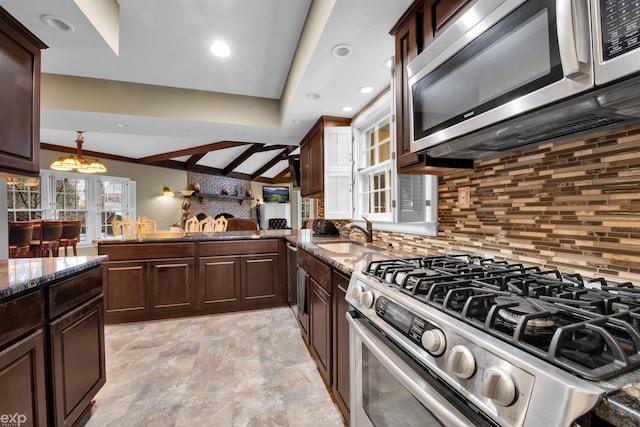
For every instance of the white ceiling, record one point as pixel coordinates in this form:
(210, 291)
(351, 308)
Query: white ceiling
(164, 44)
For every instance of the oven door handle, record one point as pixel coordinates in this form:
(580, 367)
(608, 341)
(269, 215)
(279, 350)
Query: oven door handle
(424, 392)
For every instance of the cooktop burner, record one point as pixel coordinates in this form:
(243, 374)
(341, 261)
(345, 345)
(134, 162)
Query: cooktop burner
(587, 326)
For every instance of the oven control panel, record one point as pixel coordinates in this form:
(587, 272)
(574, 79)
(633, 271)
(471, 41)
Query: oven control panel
(417, 329)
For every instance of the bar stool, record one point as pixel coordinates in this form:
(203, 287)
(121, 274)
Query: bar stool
(20, 234)
(49, 240)
(71, 230)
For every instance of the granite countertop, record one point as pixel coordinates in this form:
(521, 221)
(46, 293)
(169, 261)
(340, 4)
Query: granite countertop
(622, 407)
(166, 236)
(21, 274)
(345, 262)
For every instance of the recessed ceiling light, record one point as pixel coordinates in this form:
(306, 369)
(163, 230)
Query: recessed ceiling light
(366, 89)
(345, 109)
(58, 23)
(313, 95)
(291, 138)
(342, 51)
(220, 48)
(185, 130)
(239, 134)
(389, 63)
(297, 121)
(124, 125)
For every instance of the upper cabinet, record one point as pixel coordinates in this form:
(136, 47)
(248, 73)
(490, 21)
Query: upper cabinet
(20, 101)
(414, 30)
(312, 156)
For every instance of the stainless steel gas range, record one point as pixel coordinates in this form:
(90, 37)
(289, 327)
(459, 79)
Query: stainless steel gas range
(461, 340)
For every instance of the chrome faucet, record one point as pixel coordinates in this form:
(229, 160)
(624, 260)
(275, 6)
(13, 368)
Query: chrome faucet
(368, 232)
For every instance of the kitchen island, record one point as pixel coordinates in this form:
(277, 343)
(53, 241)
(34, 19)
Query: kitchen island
(52, 360)
(165, 275)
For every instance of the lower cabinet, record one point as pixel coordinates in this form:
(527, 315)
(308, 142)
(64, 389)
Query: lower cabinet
(320, 325)
(219, 280)
(23, 382)
(77, 360)
(52, 352)
(171, 284)
(327, 325)
(340, 343)
(146, 281)
(126, 287)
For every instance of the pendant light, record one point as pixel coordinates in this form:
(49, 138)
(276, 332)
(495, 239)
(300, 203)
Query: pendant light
(78, 162)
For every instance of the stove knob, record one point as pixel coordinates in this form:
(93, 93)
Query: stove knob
(366, 299)
(498, 386)
(356, 292)
(461, 362)
(434, 341)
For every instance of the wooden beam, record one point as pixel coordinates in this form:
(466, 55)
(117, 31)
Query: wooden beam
(269, 164)
(191, 162)
(74, 150)
(221, 145)
(241, 158)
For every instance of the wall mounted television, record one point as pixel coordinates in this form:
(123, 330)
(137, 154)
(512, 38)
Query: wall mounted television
(272, 194)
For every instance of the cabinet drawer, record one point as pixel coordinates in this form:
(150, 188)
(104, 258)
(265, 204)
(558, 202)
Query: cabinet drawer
(20, 315)
(239, 247)
(316, 269)
(71, 292)
(127, 252)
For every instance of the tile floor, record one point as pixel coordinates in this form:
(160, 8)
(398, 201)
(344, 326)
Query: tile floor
(238, 369)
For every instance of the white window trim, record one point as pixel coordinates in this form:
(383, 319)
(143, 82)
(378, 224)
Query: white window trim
(93, 211)
(385, 105)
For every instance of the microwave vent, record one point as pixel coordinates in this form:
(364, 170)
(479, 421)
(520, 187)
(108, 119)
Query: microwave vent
(549, 131)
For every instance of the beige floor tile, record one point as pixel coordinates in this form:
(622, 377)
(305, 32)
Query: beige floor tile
(238, 369)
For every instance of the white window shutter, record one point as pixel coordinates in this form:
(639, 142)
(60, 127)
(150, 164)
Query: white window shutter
(131, 199)
(412, 198)
(338, 198)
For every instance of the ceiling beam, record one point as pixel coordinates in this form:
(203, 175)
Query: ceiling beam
(221, 145)
(282, 156)
(241, 158)
(191, 161)
(74, 150)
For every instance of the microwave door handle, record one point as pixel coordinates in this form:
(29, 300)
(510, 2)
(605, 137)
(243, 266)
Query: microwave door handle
(572, 23)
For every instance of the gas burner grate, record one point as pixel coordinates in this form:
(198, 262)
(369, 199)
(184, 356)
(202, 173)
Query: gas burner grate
(587, 326)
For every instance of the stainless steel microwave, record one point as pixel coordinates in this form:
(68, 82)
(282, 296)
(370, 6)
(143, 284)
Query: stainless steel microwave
(511, 73)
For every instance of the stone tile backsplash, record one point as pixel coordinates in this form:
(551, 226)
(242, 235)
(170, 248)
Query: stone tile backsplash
(573, 206)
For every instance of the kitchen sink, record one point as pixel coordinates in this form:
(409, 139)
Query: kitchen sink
(347, 247)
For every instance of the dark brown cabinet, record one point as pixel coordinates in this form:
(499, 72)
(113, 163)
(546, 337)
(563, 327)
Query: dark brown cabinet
(171, 284)
(142, 282)
(320, 328)
(413, 32)
(319, 300)
(20, 100)
(340, 343)
(312, 156)
(126, 287)
(260, 277)
(23, 380)
(77, 360)
(219, 280)
(242, 274)
(52, 351)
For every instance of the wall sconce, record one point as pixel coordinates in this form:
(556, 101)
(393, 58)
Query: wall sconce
(167, 192)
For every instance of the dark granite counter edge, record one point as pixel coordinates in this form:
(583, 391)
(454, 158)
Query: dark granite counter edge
(621, 408)
(47, 278)
(194, 237)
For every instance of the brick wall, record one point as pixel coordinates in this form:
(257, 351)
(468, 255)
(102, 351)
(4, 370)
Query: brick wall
(213, 184)
(573, 206)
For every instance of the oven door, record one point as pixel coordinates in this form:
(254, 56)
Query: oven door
(387, 391)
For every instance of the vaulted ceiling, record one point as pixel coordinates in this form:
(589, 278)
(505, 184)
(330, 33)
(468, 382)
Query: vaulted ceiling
(139, 78)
